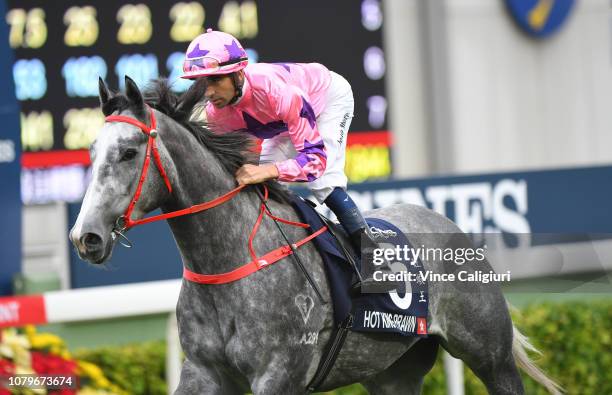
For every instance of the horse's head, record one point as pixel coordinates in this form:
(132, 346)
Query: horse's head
(117, 157)
(135, 160)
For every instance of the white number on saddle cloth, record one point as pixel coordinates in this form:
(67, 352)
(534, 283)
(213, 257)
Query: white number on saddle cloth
(403, 302)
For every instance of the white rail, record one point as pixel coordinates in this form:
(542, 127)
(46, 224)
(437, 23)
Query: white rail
(128, 300)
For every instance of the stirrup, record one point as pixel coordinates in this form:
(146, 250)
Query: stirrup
(373, 285)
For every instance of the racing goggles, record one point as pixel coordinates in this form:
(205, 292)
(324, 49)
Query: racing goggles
(207, 63)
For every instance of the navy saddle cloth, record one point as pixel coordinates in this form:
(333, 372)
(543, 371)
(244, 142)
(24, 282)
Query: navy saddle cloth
(396, 312)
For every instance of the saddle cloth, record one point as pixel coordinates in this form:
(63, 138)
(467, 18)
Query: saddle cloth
(399, 312)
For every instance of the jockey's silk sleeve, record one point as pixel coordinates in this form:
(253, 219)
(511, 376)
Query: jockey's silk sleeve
(281, 99)
(293, 106)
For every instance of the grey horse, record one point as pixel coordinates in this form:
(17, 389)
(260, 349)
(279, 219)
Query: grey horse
(248, 335)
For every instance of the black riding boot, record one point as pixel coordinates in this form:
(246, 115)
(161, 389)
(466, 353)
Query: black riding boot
(362, 240)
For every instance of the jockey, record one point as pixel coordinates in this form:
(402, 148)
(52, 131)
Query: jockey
(301, 111)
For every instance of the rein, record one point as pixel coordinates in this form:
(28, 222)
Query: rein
(125, 222)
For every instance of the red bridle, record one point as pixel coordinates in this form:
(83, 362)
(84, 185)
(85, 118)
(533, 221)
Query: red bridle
(125, 222)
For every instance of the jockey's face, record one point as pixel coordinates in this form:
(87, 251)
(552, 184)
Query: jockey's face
(220, 89)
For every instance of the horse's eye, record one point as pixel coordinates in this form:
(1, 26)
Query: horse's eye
(130, 153)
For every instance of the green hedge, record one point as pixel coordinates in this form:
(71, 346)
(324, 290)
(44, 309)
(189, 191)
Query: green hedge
(139, 368)
(576, 340)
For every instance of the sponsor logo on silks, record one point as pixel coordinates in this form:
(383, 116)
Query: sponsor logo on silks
(343, 127)
(540, 18)
(421, 326)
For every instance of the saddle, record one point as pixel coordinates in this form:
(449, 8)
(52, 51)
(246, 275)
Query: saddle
(394, 312)
(342, 263)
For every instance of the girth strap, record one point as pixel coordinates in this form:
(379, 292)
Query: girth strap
(331, 353)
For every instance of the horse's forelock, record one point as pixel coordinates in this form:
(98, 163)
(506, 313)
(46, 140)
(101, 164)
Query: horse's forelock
(117, 103)
(120, 103)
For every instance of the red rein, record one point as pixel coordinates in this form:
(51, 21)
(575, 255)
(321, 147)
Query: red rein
(246, 269)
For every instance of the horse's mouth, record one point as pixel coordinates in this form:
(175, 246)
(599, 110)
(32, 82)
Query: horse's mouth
(98, 261)
(92, 247)
(97, 256)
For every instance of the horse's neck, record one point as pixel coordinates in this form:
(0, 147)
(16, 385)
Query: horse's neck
(215, 240)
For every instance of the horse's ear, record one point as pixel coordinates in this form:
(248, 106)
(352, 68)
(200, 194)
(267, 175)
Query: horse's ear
(133, 93)
(104, 92)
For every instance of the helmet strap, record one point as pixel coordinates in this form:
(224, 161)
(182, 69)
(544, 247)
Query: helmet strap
(237, 87)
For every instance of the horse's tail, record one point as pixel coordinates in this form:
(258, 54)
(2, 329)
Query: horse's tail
(520, 346)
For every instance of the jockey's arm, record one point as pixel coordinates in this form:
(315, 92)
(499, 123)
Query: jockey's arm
(292, 106)
(253, 174)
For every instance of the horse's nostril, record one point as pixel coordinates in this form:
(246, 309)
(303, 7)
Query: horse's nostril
(91, 241)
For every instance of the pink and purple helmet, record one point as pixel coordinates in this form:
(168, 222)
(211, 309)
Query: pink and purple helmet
(213, 53)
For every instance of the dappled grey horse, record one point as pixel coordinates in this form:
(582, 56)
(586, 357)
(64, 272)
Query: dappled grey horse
(249, 335)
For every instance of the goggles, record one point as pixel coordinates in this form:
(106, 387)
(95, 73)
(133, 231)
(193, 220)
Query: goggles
(207, 63)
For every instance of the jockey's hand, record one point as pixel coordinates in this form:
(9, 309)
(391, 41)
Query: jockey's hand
(252, 174)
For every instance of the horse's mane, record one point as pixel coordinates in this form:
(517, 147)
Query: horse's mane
(232, 149)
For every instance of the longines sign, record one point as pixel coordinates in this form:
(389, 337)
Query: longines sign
(574, 200)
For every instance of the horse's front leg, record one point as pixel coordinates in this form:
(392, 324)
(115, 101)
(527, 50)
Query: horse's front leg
(197, 379)
(272, 384)
(280, 376)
